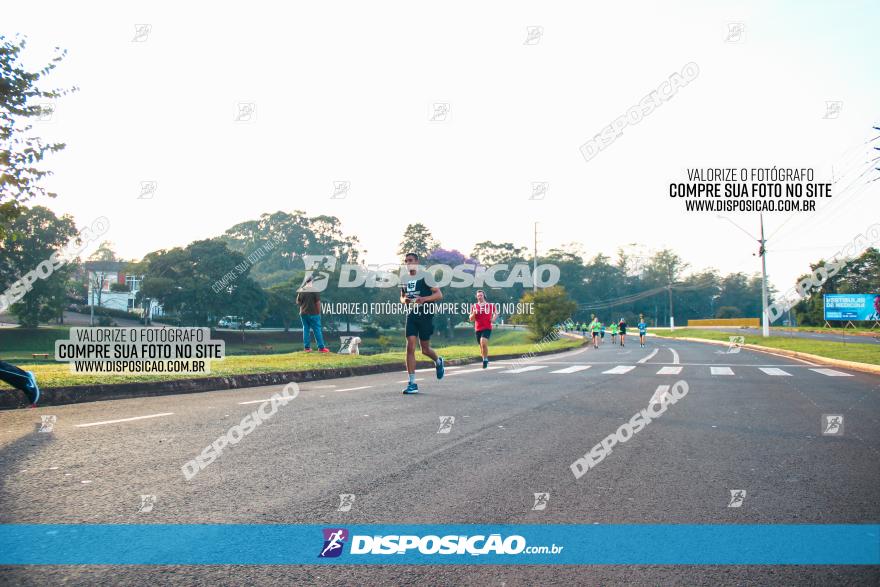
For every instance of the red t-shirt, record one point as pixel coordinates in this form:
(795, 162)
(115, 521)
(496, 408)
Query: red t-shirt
(483, 316)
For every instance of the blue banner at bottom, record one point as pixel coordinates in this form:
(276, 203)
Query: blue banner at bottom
(233, 544)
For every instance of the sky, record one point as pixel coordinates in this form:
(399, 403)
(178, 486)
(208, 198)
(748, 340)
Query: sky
(346, 92)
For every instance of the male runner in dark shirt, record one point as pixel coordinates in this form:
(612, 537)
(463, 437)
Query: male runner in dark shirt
(418, 297)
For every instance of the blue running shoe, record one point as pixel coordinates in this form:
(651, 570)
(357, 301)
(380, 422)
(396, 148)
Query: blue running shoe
(441, 369)
(33, 390)
(485, 363)
(411, 388)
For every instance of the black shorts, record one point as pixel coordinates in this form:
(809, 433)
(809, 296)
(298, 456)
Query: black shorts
(483, 334)
(421, 325)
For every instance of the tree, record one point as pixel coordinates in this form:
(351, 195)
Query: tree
(281, 304)
(185, 281)
(728, 312)
(860, 275)
(281, 239)
(489, 253)
(33, 237)
(21, 152)
(552, 306)
(452, 295)
(417, 239)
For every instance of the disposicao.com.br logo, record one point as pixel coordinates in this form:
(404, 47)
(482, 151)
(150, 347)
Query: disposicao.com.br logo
(335, 539)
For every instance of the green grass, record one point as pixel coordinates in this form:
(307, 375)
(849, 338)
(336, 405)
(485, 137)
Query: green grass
(506, 342)
(858, 352)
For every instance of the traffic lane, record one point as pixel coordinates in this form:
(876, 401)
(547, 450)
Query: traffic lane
(145, 457)
(764, 438)
(452, 460)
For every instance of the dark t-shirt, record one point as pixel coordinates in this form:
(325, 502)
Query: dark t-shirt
(308, 302)
(414, 288)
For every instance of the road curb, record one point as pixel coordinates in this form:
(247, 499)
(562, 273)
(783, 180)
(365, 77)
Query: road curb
(864, 367)
(55, 396)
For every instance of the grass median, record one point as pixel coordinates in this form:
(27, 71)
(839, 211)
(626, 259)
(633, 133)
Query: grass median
(850, 351)
(506, 343)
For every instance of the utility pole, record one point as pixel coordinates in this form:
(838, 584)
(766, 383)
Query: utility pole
(535, 261)
(762, 252)
(765, 321)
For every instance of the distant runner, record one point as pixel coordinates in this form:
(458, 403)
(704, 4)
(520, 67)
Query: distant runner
(613, 333)
(483, 314)
(594, 329)
(643, 330)
(622, 327)
(418, 297)
(602, 331)
(19, 379)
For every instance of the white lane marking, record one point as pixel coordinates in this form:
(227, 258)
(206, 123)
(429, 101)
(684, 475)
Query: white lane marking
(354, 388)
(321, 386)
(407, 380)
(774, 371)
(649, 357)
(669, 371)
(831, 372)
(620, 370)
(525, 369)
(573, 369)
(662, 390)
(476, 370)
(434, 368)
(124, 420)
(721, 370)
(254, 401)
(674, 356)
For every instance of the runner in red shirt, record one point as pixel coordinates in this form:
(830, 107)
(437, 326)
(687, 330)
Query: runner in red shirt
(483, 314)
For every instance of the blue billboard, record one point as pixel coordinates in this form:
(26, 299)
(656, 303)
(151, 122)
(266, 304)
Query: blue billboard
(852, 306)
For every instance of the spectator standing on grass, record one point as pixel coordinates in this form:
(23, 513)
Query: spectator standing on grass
(309, 302)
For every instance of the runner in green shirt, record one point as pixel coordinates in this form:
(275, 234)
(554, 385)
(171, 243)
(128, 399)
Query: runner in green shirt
(595, 326)
(613, 333)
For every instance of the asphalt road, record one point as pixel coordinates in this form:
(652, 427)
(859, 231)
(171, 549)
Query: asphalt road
(750, 421)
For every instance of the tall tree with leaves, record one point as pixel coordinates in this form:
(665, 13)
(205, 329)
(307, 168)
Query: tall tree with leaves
(33, 237)
(21, 151)
(417, 239)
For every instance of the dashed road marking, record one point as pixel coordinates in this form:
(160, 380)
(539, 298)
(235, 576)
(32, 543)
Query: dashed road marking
(619, 370)
(774, 371)
(572, 369)
(123, 420)
(525, 369)
(831, 372)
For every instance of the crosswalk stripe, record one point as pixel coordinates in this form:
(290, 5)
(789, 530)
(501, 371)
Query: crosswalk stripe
(669, 371)
(831, 372)
(573, 369)
(524, 369)
(774, 371)
(721, 370)
(619, 370)
(475, 370)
